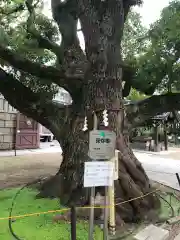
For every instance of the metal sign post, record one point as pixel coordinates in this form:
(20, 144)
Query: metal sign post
(106, 214)
(92, 197)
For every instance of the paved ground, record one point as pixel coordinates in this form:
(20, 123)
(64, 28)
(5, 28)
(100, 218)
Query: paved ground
(160, 168)
(20, 170)
(45, 161)
(29, 165)
(46, 147)
(173, 153)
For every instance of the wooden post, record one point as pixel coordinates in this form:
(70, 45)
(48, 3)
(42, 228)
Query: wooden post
(17, 132)
(156, 140)
(175, 134)
(165, 137)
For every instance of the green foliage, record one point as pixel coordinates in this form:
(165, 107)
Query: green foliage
(136, 95)
(158, 67)
(155, 57)
(14, 34)
(134, 32)
(18, 1)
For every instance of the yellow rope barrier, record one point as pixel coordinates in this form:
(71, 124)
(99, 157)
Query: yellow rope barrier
(67, 209)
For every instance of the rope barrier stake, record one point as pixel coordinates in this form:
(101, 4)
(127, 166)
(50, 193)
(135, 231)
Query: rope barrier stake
(73, 223)
(111, 192)
(112, 218)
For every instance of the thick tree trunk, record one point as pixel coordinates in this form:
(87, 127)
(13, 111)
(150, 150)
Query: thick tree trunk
(132, 183)
(102, 89)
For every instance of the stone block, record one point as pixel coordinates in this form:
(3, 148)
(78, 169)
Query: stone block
(2, 116)
(6, 106)
(5, 146)
(5, 116)
(10, 124)
(152, 232)
(8, 138)
(4, 131)
(13, 131)
(1, 105)
(2, 123)
(11, 145)
(8, 116)
(1, 138)
(13, 116)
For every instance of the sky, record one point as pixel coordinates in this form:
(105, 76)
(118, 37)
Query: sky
(150, 10)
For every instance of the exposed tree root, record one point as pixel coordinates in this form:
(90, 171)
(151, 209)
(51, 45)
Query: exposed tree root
(132, 183)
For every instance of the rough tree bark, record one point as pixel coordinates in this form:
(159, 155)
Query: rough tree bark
(94, 80)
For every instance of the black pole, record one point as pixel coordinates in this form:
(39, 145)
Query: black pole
(73, 223)
(165, 137)
(156, 140)
(178, 178)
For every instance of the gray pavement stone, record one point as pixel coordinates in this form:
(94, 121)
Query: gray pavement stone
(152, 232)
(177, 237)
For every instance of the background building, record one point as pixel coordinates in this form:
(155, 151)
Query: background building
(20, 132)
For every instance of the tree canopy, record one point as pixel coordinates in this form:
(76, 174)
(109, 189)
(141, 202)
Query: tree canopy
(27, 42)
(158, 66)
(30, 50)
(18, 37)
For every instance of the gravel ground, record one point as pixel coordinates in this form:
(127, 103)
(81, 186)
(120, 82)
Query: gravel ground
(16, 171)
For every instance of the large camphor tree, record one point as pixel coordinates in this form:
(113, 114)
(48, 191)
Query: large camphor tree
(97, 78)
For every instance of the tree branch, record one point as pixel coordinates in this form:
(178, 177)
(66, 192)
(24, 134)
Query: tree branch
(140, 112)
(51, 115)
(18, 8)
(65, 14)
(43, 41)
(74, 60)
(50, 73)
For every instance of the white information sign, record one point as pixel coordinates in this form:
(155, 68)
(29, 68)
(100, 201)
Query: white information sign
(99, 173)
(102, 144)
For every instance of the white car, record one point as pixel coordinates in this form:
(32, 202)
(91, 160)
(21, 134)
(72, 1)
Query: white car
(45, 134)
